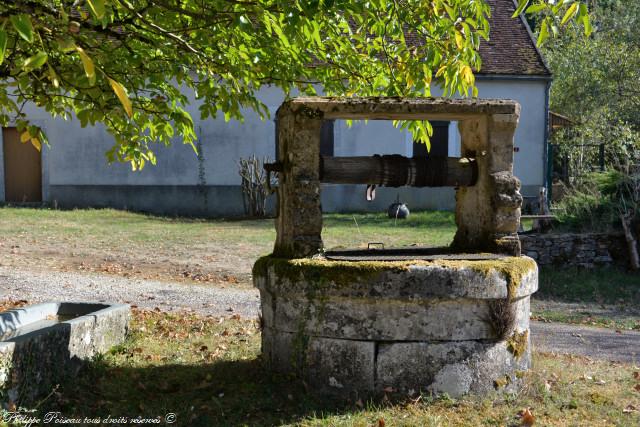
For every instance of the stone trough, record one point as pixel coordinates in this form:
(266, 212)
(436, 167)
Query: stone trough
(44, 344)
(454, 320)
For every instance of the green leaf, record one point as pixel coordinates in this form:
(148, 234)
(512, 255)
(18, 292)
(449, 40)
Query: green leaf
(522, 4)
(588, 29)
(22, 24)
(121, 93)
(3, 45)
(67, 45)
(544, 33)
(53, 77)
(97, 7)
(570, 13)
(34, 62)
(87, 63)
(534, 8)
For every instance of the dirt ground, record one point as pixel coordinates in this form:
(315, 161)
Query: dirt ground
(216, 252)
(217, 267)
(213, 263)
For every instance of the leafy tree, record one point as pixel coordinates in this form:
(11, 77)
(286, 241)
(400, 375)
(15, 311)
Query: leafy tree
(130, 63)
(596, 84)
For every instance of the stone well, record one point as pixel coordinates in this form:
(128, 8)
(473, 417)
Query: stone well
(455, 321)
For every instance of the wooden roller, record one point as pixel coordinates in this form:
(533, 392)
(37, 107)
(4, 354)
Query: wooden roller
(398, 171)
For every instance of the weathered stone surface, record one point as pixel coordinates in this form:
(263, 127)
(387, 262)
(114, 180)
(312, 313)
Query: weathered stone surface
(584, 249)
(356, 333)
(396, 108)
(403, 280)
(486, 212)
(37, 353)
(333, 366)
(455, 368)
(341, 366)
(440, 326)
(299, 221)
(385, 320)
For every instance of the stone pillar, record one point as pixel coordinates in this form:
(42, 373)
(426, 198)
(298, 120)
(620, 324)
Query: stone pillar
(488, 213)
(299, 222)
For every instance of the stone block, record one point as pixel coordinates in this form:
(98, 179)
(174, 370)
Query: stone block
(454, 368)
(384, 320)
(343, 367)
(405, 280)
(46, 344)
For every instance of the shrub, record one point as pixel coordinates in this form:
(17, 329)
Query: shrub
(597, 201)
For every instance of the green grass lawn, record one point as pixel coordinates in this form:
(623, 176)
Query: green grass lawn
(208, 372)
(222, 252)
(608, 297)
(112, 227)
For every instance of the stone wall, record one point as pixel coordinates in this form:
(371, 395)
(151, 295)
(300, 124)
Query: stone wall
(359, 328)
(582, 250)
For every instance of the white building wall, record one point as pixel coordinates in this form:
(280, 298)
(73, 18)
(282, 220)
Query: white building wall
(75, 171)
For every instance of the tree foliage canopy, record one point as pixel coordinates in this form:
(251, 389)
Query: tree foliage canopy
(596, 82)
(129, 63)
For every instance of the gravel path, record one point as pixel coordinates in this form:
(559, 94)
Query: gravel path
(33, 286)
(40, 286)
(597, 343)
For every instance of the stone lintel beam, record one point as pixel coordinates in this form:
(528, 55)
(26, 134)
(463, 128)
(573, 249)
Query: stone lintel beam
(397, 108)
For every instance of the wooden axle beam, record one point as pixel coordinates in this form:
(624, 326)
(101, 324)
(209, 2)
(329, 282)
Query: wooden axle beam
(397, 171)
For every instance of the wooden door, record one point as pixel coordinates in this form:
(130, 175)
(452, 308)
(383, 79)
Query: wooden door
(22, 169)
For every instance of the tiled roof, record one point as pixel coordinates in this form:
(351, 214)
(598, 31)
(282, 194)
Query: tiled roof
(510, 49)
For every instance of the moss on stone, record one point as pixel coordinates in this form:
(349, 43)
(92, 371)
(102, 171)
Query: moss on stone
(320, 270)
(513, 269)
(521, 374)
(502, 382)
(517, 343)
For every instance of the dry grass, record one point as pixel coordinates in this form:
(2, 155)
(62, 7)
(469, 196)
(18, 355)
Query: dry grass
(208, 371)
(219, 252)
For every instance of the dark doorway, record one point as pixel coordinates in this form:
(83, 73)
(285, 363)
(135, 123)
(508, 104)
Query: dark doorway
(439, 142)
(22, 169)
(326, 138)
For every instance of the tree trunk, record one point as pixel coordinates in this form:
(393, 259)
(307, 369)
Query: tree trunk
(632, 244)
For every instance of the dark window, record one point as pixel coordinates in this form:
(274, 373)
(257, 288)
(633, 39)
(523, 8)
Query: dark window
(326, 138)
(275, 121)
(439, 142)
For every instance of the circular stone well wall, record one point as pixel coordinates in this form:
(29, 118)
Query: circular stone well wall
(358, 328)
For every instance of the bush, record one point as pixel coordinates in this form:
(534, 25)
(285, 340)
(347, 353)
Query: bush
(596, 202)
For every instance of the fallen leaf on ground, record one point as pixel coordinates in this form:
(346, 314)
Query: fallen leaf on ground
(526, 418)
(381, 422)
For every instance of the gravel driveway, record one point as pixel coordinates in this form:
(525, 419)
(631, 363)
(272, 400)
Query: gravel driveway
(39, 286)
(33, 286)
